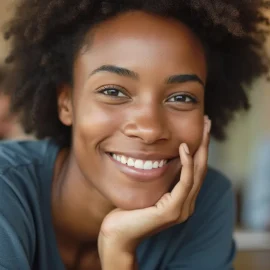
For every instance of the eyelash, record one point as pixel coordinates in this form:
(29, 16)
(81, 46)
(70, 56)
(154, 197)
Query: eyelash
(104, 89)
(112, 87)
(192, 99)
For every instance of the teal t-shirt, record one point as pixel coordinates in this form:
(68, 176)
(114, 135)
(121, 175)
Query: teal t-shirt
(27, 239)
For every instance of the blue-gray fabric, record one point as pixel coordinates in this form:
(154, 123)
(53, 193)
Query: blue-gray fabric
(27, 239)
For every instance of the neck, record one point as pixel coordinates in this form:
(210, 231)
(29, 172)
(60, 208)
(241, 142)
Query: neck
(78, 209)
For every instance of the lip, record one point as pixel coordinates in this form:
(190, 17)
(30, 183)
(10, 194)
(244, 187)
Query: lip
(143, 175)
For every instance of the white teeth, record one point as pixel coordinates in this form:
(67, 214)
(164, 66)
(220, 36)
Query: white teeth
(123, 160)
(131, 162)
(138, 163)
(148, 165)
(155, 165)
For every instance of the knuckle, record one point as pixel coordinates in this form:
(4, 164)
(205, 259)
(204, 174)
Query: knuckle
(184, 217)
(189, 161)
(163, 206)
(166, 197)
(187, 185)
(172, 216)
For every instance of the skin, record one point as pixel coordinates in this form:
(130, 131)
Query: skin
(91, 196)
(5, 118)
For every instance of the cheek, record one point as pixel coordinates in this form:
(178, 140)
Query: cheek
(189, 130)
(94, 123)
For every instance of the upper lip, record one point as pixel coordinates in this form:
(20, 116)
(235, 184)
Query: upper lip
(145, 155)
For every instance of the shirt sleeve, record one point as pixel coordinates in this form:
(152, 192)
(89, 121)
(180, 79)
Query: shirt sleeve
(17, 231)
(211, 246)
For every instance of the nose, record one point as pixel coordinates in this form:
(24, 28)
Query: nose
(147, 123)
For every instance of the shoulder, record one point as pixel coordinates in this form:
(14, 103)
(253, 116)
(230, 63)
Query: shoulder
(23, 165)
(25, 170)
(20, 153)
(216, 185)
(215, 203)
(23, 188)
(216, 180)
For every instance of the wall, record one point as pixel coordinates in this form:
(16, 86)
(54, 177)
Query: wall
(5, 14)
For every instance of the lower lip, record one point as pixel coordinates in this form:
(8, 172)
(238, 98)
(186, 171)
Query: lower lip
(142, 175)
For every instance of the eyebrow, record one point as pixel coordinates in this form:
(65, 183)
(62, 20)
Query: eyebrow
(179, 78)
(117, 70)
(182, 78)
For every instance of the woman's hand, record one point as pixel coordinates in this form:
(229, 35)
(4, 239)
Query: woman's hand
(123, 230)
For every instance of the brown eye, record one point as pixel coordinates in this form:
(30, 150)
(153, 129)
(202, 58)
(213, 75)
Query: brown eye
(182, 99)
(112, 92)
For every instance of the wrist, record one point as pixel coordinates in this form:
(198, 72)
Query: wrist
(112, 244)
(113, 258)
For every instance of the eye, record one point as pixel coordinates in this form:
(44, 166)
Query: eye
(112, 91)
(183, 98)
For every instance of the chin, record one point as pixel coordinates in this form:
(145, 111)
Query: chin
(136, 202)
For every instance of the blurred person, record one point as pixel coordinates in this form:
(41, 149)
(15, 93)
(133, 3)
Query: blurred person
(123, 96)
(10, 128)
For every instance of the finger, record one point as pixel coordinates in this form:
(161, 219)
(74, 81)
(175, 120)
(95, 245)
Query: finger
(201, 155)
(200, 159)
(200, 163)
(182, 189)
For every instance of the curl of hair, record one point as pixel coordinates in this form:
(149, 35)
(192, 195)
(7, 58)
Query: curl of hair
(47, 34)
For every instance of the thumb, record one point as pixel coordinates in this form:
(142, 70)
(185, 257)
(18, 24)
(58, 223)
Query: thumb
(136, 224)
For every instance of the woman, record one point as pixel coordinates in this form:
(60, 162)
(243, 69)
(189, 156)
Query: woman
(119, 91)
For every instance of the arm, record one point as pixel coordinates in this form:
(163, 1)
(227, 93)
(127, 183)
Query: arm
(113, 258)
(16, 232)
(211, 247)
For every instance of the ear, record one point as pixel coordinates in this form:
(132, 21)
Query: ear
(64, 99)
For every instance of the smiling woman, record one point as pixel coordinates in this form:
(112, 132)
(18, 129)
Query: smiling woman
(120, 94)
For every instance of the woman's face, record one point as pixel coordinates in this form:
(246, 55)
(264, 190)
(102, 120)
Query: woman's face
(138, 94)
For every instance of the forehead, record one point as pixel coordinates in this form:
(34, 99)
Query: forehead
(137, 39)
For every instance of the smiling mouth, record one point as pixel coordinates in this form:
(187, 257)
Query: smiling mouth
(139, 163)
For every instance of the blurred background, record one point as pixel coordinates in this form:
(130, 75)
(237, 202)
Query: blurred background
(244, 158)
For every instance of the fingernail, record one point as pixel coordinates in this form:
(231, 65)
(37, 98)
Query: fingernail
(185, 146)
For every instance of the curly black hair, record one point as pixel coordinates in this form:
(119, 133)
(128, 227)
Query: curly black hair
(47, 34)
